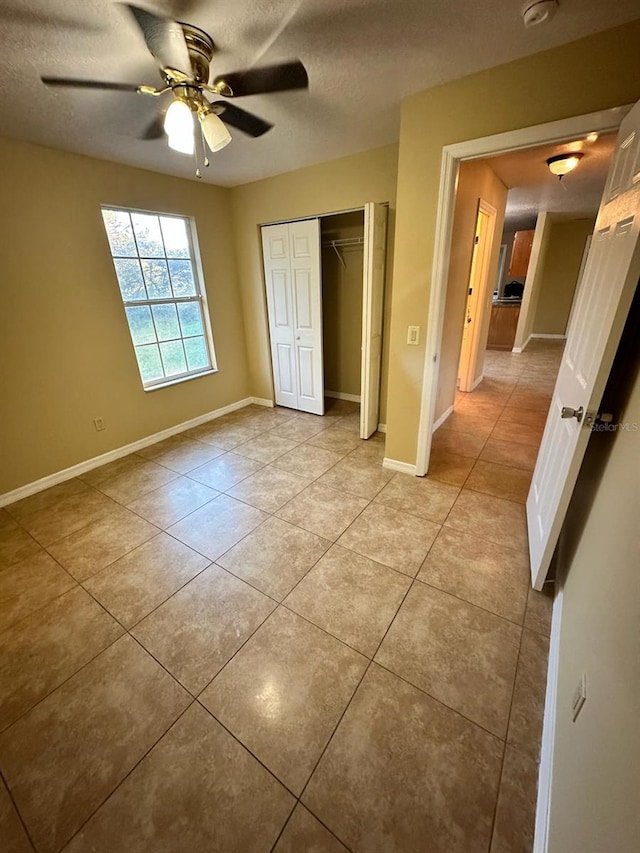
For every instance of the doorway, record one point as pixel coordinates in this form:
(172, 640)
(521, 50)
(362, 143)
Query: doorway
(324, 280)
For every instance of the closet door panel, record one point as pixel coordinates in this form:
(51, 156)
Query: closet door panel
(304, 243)
(277, 270)
(375, 246)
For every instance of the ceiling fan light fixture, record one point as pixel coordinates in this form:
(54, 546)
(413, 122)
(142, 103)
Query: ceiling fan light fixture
(178, 125)
(562, 164)
(215, 131)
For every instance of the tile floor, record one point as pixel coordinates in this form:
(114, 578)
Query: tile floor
(252, 637)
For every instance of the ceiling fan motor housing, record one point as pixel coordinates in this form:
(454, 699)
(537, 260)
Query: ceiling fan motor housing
(201, 49)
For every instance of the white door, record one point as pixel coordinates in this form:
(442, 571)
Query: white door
(602, 302)
(291, 253)
(375, 239)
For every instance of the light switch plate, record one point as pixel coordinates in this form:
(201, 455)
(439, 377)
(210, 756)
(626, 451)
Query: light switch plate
(413, 335)
(579, 697)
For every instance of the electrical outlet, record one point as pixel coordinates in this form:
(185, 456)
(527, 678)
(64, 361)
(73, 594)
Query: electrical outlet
(413, 335)
(98, 424)
(579, 697)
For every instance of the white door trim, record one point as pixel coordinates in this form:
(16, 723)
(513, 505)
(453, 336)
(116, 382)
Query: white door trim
(452, 155)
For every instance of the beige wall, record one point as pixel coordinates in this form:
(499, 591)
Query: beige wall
(67, 355)
(476, 181)
(342, 305)
(595, 789)
(533, 281)
(596, 73)
(560, 275)
(337, 185)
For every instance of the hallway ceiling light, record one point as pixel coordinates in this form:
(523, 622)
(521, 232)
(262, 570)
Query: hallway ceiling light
(562, 164)
(537, 12)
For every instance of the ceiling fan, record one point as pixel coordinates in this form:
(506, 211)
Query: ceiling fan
(184, 53)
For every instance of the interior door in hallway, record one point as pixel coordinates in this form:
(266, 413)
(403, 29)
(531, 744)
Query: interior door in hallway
(375, 243)
(291, 253)
(602, 303)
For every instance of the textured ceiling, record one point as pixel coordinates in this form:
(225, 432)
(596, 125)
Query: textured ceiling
(533, 188)
(363, 57)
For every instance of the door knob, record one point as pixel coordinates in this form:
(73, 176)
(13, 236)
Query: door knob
(567, 412)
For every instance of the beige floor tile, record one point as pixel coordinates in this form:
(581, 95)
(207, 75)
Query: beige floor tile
(537, 616)
(402, 769)
(427, 499)
(500, 521)
(168, 504)
(467, 422)
(265, 447)
(536, 401)
(30, 584)
(351, 597)
(304, 833)
(491, 576)
(525, 725)
(269, 418)
(188, 455)
(336, 439)
(460, 443)
(518, 433)
(13, 838)
(112, 469)
(225, 471)
(516, 812)
(46, 648)
(165, 446)
(269, 489)
(136, 584)
(47, 499)
(480, 408)
(339, 408)
(300, 429)
(461, 655)
(510, 453)
(98, 544)
(323, 511)
(449, 467)
(198, 790)
(351, 423)
(308, 461)
(67, 754)
(500, 481)
(217, 526)
(392, 538)
(371, 448)
(284, 692)
(144, 478)
(15, 542)
(357, 476)
(197, 630)
(274, 557)
(513, 414)
(65, 516)
(224, 435)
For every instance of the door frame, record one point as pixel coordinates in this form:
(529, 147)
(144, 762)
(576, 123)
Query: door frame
(324, 215)
(469, 351)
(603, 121)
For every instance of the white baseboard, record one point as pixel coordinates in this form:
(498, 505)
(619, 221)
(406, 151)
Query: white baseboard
(89, 464)
(523, 347)
(477, 382)
(545, 772)
(262, 401)
(340, 395)
(396, 465)
(382, 427)
(548, 337)
(442, 418)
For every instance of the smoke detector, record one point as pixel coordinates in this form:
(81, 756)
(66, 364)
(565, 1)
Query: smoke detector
(537, 12)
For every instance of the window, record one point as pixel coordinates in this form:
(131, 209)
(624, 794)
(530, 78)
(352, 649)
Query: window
(157, 269)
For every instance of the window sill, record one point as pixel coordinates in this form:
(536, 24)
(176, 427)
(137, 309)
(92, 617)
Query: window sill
(179, 380)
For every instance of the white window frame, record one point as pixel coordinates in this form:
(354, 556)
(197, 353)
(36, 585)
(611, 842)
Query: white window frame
(200, 296)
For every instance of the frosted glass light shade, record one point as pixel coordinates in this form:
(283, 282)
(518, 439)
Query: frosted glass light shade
(215, 132)
(178, 125)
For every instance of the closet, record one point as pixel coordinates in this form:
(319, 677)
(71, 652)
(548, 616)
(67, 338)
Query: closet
(324, 280)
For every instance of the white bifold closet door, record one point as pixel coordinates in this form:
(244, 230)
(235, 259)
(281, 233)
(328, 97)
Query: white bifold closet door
(291, 254)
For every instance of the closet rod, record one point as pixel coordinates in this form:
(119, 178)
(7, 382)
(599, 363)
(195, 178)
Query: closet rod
(336, 245)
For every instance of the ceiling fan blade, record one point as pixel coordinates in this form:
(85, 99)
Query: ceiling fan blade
(164, 39)
(89, 84)
(242, 120)
(270, 78)
(154, 130)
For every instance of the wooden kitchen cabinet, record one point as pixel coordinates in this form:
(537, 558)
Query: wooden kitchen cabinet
(520, 254)
(503, 325)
